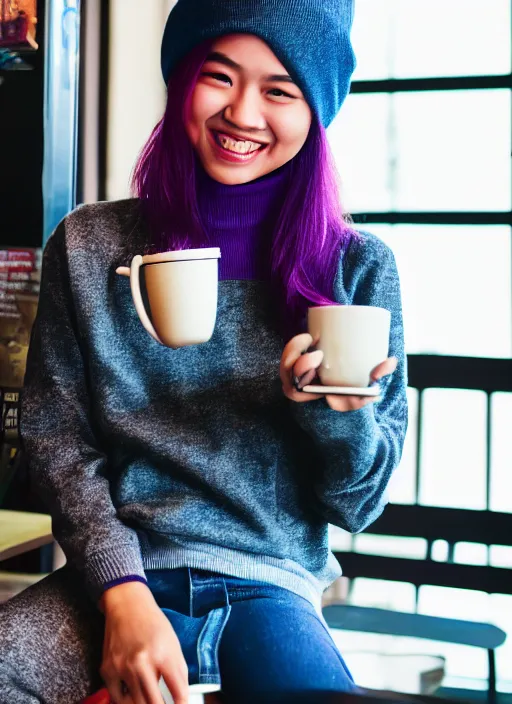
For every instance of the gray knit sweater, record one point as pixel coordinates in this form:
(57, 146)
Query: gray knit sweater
(149, 457)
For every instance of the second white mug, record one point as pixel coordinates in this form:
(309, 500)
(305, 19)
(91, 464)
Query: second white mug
(354, 340)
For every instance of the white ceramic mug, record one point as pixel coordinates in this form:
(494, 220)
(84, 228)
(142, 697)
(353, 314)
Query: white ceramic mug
(182, 293)
(354, 340)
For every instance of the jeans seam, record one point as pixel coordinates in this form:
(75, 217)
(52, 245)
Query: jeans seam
(336, 649)
(216, 637)
(219, 638)
(226, 593)
(190, 593)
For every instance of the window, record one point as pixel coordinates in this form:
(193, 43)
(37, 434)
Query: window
(425, 151)
(423, 146)
(419, 39)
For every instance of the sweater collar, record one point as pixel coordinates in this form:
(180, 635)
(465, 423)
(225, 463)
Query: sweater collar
(236, 208)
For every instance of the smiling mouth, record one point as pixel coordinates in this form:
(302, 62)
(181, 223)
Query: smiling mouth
(234, 145)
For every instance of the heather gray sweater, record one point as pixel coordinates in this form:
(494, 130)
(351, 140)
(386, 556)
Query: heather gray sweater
(149, 457)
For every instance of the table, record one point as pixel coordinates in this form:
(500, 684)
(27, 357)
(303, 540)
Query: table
(21, 531)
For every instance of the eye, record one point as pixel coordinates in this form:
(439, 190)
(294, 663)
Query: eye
(278, 93)
(221, 77)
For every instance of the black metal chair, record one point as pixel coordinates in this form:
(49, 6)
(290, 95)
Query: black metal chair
(432, 523)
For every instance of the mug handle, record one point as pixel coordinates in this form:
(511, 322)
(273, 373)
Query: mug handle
(136, 264)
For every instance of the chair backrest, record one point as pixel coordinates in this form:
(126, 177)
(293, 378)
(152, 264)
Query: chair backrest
(434, 523)
(431, 523)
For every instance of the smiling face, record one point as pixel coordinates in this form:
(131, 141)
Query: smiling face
(247, 117)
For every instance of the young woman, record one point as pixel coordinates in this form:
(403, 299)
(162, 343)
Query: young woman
(192, 489)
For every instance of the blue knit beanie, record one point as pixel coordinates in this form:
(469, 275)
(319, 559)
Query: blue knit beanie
(311, 38)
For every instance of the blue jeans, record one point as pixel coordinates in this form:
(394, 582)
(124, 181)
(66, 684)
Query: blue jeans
(255, 639)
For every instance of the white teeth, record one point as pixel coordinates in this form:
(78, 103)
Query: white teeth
(240, 147)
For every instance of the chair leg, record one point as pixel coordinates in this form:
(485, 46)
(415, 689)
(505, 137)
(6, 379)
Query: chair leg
(491, 692)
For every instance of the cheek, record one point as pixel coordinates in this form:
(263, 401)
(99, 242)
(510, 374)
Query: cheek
(206, 102)
(291, 131)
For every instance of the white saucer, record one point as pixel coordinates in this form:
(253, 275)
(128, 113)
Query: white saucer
(342, 390)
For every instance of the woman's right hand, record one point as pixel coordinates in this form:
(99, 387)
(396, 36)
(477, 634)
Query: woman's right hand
(139, 647)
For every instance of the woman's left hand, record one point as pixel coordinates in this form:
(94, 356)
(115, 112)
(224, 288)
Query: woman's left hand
(297, 362)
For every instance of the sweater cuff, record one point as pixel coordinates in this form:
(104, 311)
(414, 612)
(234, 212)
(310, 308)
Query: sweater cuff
(107, 566)
(124, 580)
(324, 424)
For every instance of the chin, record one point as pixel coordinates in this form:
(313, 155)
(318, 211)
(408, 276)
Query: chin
(234, 176)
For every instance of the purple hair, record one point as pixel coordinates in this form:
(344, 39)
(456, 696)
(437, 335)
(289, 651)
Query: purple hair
(311, 230)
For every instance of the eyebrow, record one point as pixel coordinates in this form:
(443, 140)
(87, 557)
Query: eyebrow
(223, 59)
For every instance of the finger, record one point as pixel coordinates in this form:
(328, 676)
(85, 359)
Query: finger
(113, 684)
(176, 681)
(299, 396)
(306, 379)
(307, 362)
(386, 367)
(135, 694)
(117, 696)
(151, 689)
(292, 352)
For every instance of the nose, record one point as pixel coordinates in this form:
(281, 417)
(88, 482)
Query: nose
(245, 110)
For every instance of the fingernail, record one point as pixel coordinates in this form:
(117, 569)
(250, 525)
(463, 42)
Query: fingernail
(317, 357)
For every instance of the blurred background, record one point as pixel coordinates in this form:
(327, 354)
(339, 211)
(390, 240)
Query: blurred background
(423, 148)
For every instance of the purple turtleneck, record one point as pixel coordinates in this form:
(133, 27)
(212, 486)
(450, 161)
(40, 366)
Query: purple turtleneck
(240, 220)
